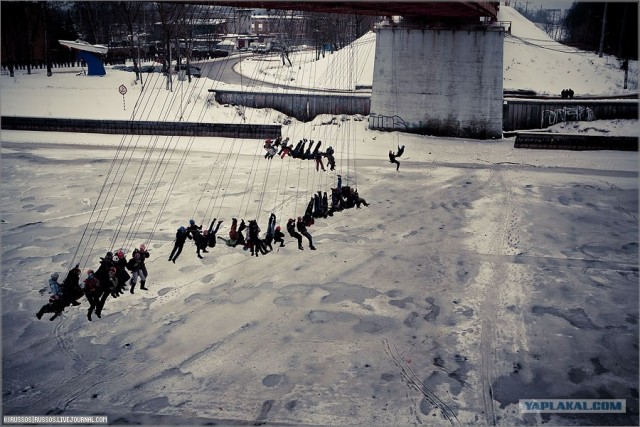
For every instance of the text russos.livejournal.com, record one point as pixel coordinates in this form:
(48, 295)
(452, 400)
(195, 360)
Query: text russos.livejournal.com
(54, 419)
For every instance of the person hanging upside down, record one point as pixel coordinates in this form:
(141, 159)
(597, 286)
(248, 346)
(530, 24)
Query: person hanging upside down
(400, 151)
(210, 234)
(392, 159)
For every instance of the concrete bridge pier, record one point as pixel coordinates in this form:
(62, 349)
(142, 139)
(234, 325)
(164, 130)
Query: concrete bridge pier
(443, 81)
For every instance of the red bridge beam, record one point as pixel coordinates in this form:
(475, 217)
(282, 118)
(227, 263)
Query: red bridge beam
(448, 9)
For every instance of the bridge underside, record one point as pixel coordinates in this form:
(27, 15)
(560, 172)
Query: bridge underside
(438, 9)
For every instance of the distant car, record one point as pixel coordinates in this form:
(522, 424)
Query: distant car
(219, 53)
(193, 70)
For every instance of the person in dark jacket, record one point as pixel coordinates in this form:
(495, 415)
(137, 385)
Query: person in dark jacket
(210, 234)
(257, 247)
(392, 159)
(291, 229)
(358, 200)
(278, 236)
(317, 205)
(102, 273)
(55, 305)
(331, 160)
(193, 227)
(302, 229)
(196, 232)
(92, 291)
(121, 272)
(137, 267)
(108, 287)
(271, 230)
(201, 242)
(325, 205)
(400, 151)
(181, 237)
(71, 286)
(319, 164)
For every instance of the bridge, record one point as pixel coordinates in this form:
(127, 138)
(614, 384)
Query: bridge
(438, 71)
(440, 9)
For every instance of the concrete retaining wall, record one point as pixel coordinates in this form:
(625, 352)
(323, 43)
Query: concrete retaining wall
(541, 113)
(439, 81)
(303, 106)
(227, 130)
(569, 141)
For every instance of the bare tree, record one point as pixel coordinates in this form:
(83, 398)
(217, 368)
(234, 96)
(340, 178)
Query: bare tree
(169, 15)
(130, 13)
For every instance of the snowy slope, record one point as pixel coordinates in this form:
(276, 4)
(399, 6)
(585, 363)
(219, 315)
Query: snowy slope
(532, 60)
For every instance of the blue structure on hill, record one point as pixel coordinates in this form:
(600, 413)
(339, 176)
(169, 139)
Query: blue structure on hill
(95, 66)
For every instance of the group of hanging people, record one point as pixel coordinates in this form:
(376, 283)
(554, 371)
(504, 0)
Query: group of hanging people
(311, 153)
(342, 197)
(110, 279)
(301, 151)
(205, 239)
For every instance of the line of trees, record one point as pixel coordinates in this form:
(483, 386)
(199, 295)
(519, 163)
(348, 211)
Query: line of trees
(31, 30)
(584, 27)
(581, 26)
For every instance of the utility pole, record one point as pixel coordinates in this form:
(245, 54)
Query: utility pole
(604, 23)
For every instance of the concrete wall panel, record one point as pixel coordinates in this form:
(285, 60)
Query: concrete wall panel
(439, 81)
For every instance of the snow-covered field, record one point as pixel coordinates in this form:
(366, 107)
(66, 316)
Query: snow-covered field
(480, 274)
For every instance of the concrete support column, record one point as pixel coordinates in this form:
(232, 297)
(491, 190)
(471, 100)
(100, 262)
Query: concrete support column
(439, 81)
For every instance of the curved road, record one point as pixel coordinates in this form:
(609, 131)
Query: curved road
(221, 69)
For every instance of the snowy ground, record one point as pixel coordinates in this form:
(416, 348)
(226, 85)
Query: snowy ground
(480, 274)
